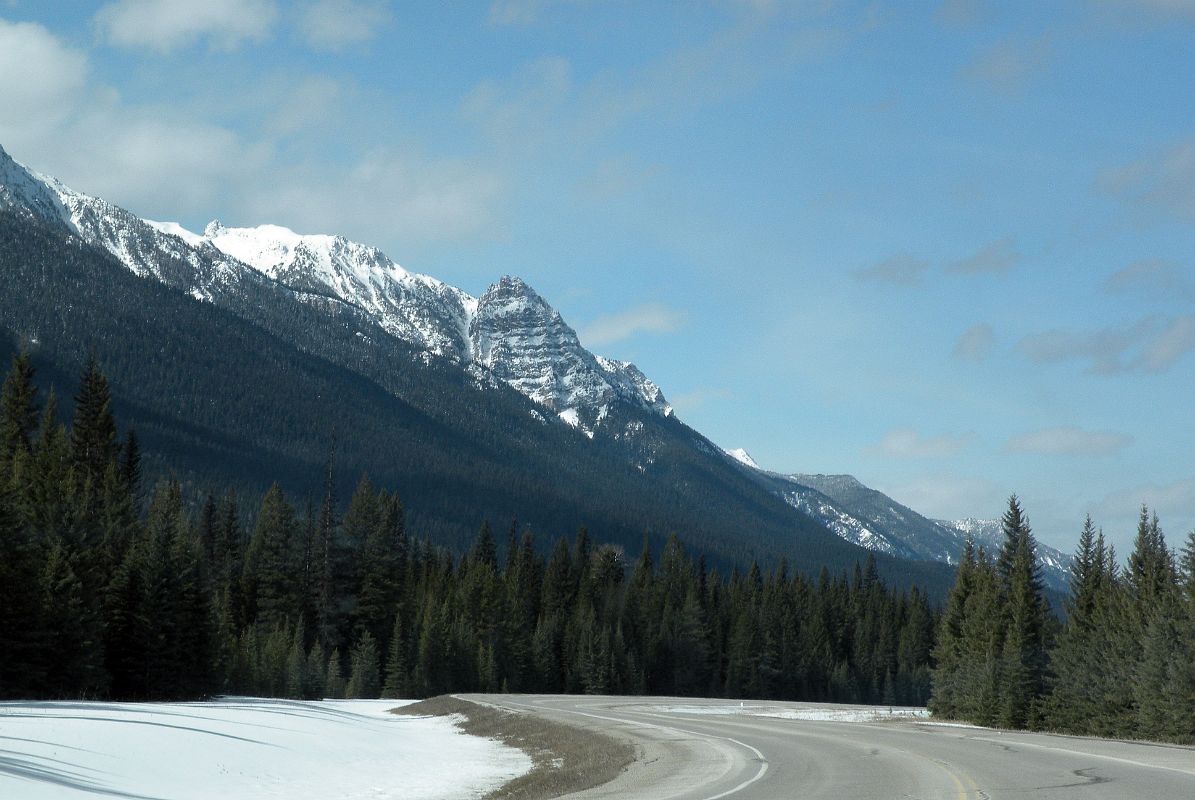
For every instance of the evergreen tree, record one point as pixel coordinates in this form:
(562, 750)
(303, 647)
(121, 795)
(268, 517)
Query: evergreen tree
(1024, 652)
(271, 562)
(93, 429)
(396, 663)
(130, 467)
(1073, 699)
(18, 408)
(952, 648)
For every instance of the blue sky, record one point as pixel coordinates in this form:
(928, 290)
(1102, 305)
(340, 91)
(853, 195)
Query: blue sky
(946, 247)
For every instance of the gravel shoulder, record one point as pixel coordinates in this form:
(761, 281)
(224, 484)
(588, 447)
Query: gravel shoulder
(567, 758)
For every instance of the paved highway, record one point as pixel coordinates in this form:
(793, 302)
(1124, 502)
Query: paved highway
(712, 749)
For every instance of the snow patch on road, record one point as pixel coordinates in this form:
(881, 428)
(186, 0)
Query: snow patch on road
(847, 714)
(242, 748)
(811, 713)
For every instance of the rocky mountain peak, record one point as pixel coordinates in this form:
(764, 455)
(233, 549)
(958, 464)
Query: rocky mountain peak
(510, 331)
(23, 189)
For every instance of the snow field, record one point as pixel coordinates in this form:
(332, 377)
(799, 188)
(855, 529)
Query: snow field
(243, 749)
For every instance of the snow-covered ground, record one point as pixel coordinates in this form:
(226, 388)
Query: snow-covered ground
(242, 749)
(813, 712)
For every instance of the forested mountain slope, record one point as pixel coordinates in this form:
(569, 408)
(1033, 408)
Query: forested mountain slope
(234, 400)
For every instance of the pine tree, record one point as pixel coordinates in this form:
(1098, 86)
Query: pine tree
(1023, 655)
(271, 561)
(130, 467)
(22, 630)
(18, 408)
(396, 663)
(951, 649)
(93, 429)
(382, 569)
(1072, 700)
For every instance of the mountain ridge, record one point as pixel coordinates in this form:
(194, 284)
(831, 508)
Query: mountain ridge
(354, 296)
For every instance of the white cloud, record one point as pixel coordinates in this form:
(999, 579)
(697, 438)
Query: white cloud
(1160, 185)
(908, 443)
(1174, 503)
(1069, 441)
(959, 13)
(40, 80)
(692, 400)
(975, 344)
(652, 317)
(309, 103)
(1183, 8)
(1007, 67)
(543, 102)
(1157, 278)
(949, 496)
(617, 177)
(166, 25)
(332, 25)
(518, 12)
(998, 256)
(901, 270)
(170, 161)
(1154, 344)
(1173, 342)
(522, 110)
(401, 195)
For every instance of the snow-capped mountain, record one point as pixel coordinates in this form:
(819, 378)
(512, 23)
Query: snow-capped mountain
(873, 520)
(743, 457)
(525, 342)
(419, 309)
(988, 533)
(510, 332)
(350, 292)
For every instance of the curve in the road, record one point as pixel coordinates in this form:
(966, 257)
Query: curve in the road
(698, 750)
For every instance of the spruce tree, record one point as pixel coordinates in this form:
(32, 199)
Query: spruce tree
(130, 467)
(1072, 700)
(396, 663)
(271, 562)
(18, 408)
(22, 630)
(93, 428)
(951, 649)
(1024, 647)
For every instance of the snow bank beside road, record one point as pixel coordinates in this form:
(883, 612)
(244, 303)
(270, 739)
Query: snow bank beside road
(243, 749)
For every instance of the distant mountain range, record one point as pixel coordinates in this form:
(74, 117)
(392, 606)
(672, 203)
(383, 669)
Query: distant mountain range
(241, 353)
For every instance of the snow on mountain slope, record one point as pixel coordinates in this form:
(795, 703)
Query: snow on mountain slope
(525, 342)
(843, 523)
(873, 520)
(743, 457)
(149, 251)
(510, 332)
(20, 188)
(416, 308)
(843, 520)
(988, 533)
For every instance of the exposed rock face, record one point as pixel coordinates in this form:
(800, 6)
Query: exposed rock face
(194, 267)
(511, 332)
(525, 342)
(416, 308)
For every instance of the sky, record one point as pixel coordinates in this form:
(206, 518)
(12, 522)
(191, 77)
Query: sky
(946, 247)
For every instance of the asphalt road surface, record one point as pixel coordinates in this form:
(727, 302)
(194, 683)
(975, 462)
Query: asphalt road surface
(711, 749)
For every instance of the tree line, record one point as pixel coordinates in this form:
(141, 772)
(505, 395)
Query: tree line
(110, 590)
(1122, 664)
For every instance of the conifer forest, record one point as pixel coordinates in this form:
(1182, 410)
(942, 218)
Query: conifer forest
(110, 588)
